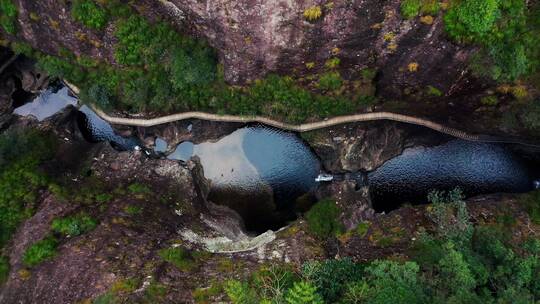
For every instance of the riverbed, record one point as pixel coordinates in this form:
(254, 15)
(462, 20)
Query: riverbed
(268, 175)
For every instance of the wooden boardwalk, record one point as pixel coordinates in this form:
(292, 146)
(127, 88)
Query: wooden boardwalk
(141, 122)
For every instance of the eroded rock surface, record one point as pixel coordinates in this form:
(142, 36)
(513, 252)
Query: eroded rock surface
(357, 147)
(254, 38)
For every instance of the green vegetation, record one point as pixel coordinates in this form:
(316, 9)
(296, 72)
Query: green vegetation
(303, 292)
(89, 14)
(162, 70)
(455, 263)
(532, 203)
(40, 251)
(4, 269)
(330, 81)
(21, 152)
(469, 20)
(332, 63)
(362, 229)
(313, 13)
(154, 293)
(74, 225)
(8, 16)
(137, 188)
(122, 288)
(323, 219)
(433, 91)
(133, 210)
(508, 31)
(179, 257)
(204, 295)
(411, 8)
(489, 100)
(531, 115)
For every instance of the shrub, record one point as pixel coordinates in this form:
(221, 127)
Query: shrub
(74, 225)
(154, 293)
(332, 63)
(273, 282)
(133, 210)
(450, 215)
(509, 47)
(413, 67)
(99, 95)
(330, 81)
(356, 293)
(20, 154)
(138, 188)
(430, 7)
(531, 201)
(22, 48)
(134, 35)
(4, 269)
(392, 282)
(103, 198)
(179, 257)
(410, 8)
(40, 251)
(240, 293)
(331, 276)
(469, 20)
(458, 280)
(433, 91)
(323, 219)
(489, 100)
(302, 293)
(362, 228)
(8, 16)
(531, 115)
(313, 13)
(89, 14)
(204, 295)
(197, 67)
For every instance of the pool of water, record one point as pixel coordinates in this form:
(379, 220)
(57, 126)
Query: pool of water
(258, 171)
(95, 129)
(265, 174)
(46, 104)
(477, 168)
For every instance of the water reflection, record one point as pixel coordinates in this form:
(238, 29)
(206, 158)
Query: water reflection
(47, 104)
(95, 129)
(477, 168)
(258, 171)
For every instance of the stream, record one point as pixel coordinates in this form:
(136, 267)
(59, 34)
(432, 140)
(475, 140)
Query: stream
(268, 175)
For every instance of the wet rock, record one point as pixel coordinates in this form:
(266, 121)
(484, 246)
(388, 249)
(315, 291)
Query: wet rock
(352, 198)
(366, 147)
(196, 131)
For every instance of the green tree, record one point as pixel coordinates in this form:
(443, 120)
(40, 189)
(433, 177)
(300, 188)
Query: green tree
(303, 293)
(89, 13)
(469, 20)
(457, 278)
(323, 219)
(392, 282)
(240, 293)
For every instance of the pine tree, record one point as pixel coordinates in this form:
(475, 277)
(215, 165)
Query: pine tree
(303, 293)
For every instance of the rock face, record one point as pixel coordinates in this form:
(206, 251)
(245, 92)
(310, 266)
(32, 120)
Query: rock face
(255, 37)
(357, 147)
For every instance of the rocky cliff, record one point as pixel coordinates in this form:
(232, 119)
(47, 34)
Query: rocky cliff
(254, 38)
